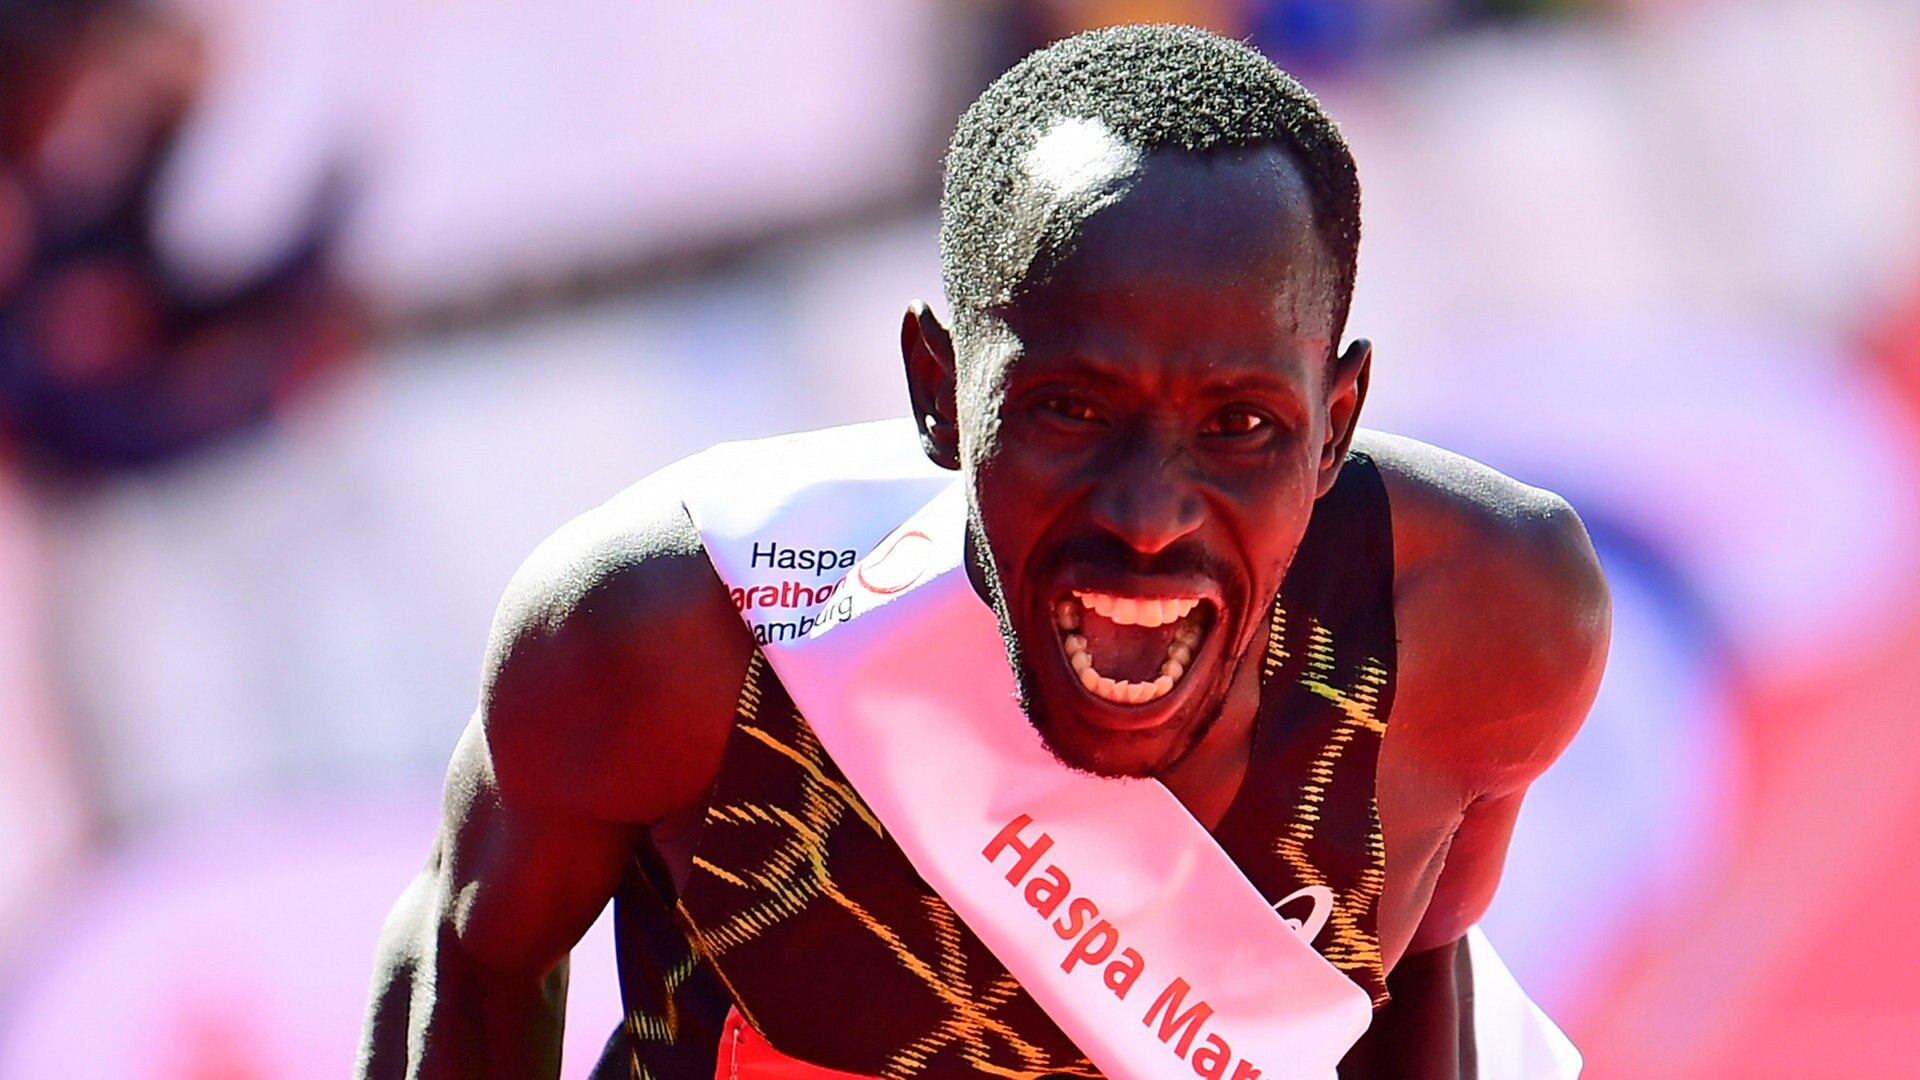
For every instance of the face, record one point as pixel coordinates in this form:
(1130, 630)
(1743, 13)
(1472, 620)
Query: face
(1156, 414)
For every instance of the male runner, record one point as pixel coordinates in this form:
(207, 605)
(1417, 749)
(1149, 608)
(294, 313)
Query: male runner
(1346, 654)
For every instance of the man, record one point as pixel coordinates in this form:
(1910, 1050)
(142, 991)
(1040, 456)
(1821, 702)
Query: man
(1344, 654)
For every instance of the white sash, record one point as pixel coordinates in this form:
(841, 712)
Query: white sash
(1154, 954)
(1513, 1039)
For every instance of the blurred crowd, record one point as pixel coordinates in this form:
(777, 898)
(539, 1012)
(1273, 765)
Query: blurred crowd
(315, 315)
(110, 357)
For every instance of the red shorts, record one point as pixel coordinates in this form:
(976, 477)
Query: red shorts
(744, 1055)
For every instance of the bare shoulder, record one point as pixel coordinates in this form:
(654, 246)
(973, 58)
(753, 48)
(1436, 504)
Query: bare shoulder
(1502, 612)
(614, 664)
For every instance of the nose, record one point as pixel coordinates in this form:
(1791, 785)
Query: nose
(1145, 496)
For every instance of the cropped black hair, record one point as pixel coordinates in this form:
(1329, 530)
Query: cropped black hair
(1154, 87)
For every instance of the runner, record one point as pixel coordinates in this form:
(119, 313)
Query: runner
(1128, 712)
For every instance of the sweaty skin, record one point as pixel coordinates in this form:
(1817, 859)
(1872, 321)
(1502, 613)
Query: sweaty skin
(1157, 412)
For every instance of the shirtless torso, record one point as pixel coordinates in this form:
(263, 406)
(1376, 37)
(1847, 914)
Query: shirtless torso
(1152, 411)
(616, 663)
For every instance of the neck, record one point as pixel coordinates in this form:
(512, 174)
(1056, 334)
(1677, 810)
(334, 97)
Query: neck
(1207, 777)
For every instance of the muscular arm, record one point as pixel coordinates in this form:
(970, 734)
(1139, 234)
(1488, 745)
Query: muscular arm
(609, 682)
(1503, 619)
(471, 974)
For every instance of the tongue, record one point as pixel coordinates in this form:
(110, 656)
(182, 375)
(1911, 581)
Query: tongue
(1129, 653)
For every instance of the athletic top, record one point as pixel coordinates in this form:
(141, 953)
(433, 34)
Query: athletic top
(801, 912)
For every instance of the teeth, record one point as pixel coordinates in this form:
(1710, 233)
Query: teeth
(1130, 610)
(1120, 691)
(1067, 615)
(1126, 693)
(1149, 611)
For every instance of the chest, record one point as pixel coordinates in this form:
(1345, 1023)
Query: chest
(1416, 818)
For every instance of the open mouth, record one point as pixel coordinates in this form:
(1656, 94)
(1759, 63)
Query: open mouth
(1131, 650)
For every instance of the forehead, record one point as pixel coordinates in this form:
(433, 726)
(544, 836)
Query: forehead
(1168, 244)
(1217, 217)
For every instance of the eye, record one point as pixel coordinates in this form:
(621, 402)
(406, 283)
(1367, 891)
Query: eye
(1236, 423)
(1070, 408)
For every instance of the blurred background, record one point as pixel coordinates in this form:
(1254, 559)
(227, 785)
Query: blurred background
(316, 315)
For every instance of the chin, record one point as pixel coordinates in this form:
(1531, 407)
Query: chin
(1117, 754)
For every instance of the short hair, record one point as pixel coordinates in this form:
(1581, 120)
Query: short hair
(1154, 87)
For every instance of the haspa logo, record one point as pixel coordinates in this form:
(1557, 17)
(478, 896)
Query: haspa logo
(897, 566)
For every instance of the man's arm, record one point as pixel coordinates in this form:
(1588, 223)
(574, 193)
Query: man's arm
(1518, 677)
(1503, 619)
(471, 974)
(610, 680)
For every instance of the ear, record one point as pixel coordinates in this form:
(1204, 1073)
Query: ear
(1346, 393)
(927, 349)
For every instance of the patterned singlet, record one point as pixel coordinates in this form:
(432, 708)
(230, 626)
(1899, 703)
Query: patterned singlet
(803, 914)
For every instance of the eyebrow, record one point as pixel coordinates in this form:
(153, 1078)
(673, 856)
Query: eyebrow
(1252, 382)
(1075, 365)
(1078, 367)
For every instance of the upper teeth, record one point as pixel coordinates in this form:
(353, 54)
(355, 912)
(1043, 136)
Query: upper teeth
(1137, 610)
